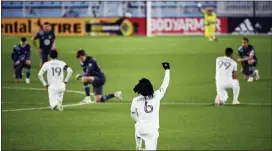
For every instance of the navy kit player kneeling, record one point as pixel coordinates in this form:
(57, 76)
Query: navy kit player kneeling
(145, 110)
(248, 60)
(93, 75)
(21, 59)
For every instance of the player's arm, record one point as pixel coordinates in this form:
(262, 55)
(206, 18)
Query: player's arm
(28, 55)
(234, 72)
(34, 38)
(88, 70)
(166, 79)
(40, 74)
(133, 111)
(251, 55)
(14, 56)
(69, 73)
(54, 42)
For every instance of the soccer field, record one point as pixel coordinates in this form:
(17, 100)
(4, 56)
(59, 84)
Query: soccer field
(188, 118)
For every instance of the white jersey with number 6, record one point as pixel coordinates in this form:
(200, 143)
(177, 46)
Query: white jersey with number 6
(147, 110)
(224, 68)
(54, 69)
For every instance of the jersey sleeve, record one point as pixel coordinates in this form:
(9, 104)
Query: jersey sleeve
(53, 35)
(214, 17)
(133, 106)
(235, 66)
(44, 67)
(240, 52)
(28, 52)
(164, 85)
(14, 56)
(90, 67)
(37, 36)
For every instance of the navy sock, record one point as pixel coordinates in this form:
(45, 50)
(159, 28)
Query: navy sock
(18, 73)
(28, 71)
(251, 70)
(106, 97)
(87, 89)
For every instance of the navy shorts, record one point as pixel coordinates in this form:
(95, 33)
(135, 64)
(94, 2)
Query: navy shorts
(248, 69)
(98, 85)
(44, 55)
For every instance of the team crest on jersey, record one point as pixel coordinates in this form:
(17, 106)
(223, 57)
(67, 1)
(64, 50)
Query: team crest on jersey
(49, 36)
(90, 64)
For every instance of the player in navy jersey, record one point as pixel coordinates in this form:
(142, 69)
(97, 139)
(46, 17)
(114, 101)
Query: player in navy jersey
(46, 39)
(93, 75)
(21, 59)
(248, 60)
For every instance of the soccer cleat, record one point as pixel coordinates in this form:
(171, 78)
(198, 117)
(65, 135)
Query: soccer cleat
(235, 102)
(139, 148)
(257, 75)
(60, 107)
(250, 79)
(118, 95)
(87, 100)
(54, 107)
(27, 80)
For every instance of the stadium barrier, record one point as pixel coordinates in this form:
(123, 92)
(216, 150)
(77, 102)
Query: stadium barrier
(136, 26)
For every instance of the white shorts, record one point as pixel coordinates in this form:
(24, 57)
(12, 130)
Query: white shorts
(221, 89)
(55, 93)
(150, 138)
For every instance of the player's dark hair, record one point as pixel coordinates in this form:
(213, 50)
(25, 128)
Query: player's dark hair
(23, 39)
(80, 53)
(46, 23)
(54, 54)
(145, 88)
(228, 51)
(245, 39)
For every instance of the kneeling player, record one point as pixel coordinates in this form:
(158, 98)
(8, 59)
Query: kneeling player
(93, 75)
(226, 78)
(145, 110)
(248, 60)
(21, 59)
(56, 85)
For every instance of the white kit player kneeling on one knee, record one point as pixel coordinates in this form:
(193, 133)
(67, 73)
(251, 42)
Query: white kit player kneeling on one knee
(145, 110)
(56, 85)
(226, 78)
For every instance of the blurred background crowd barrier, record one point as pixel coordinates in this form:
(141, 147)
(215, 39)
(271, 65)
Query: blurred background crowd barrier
(130, 17)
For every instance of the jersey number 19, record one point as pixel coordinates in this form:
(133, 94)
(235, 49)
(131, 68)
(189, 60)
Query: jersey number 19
(56, 71)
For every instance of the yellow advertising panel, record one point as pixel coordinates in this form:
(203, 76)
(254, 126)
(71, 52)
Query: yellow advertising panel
(30, 26)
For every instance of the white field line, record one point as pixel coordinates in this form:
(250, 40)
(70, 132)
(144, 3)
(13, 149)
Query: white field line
(80, 92)
(42, 89)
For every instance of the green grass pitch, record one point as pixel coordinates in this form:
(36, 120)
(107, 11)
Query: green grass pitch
(125, 60)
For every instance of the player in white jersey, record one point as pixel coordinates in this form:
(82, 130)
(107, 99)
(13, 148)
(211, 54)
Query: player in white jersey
(226, 78)
(145, 111)
(56, 84)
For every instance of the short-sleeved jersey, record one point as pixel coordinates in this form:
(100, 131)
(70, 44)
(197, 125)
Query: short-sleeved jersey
(208, 19)
(246, 52)
(147, 110)
(54, 69)
(224, 69)
(46, 39)
(91, 67)
(21, 53)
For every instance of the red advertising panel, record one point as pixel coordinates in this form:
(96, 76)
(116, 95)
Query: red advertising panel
(184, 25)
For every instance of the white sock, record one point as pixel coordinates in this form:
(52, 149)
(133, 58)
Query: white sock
(236, 90)
(138, 141)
